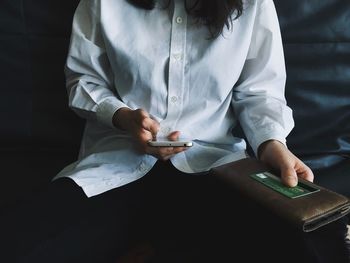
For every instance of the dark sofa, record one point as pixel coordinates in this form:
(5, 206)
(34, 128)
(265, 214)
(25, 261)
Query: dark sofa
(40, 134)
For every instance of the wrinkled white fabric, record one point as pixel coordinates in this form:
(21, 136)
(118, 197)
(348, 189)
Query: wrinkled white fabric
(165, 63)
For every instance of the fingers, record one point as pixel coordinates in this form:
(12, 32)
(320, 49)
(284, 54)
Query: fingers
(294, 170)
(305, 172)
(173, 136)
(289, 176)
(146, 129)
(147, 123)
(164, 153)
(277, 156)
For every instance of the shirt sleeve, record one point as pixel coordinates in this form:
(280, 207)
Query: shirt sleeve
(89, 77)
(258, 97)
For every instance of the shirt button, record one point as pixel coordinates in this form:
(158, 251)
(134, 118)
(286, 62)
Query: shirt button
(173, 99)
(177, 56)
(165, 130)
(179, 20)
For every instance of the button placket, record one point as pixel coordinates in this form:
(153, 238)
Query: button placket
(176, 62)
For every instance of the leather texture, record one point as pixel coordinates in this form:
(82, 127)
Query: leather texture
(306, 213)
(39, 134)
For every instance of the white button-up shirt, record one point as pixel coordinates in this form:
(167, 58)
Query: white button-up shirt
(164, 62)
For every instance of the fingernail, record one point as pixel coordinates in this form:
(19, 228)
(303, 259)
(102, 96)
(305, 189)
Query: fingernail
(292, 180)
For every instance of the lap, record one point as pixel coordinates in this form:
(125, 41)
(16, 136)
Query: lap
(180, 212)
(269, 237)
(221, 226)
(60, 224)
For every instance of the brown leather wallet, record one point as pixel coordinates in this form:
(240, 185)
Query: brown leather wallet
(307, 212)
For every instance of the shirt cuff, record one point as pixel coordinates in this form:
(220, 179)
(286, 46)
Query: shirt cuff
(106, 110)
(261, 138)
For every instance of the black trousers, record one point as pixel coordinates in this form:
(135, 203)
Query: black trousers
(188, 218)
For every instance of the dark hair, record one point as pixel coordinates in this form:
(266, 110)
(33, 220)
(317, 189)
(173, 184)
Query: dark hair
(215, 14)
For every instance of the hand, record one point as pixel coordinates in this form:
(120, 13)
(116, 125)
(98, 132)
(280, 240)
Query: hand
(143, 129)
(276, 155)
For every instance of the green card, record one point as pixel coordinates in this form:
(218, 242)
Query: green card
(275, 183)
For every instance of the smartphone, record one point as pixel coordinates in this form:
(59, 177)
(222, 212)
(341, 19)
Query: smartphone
(165, 143)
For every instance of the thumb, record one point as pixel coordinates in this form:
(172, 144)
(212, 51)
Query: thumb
(289, 176)
(174, 136)
(154, 128)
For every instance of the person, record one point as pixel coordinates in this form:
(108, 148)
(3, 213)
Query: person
(140, 70)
